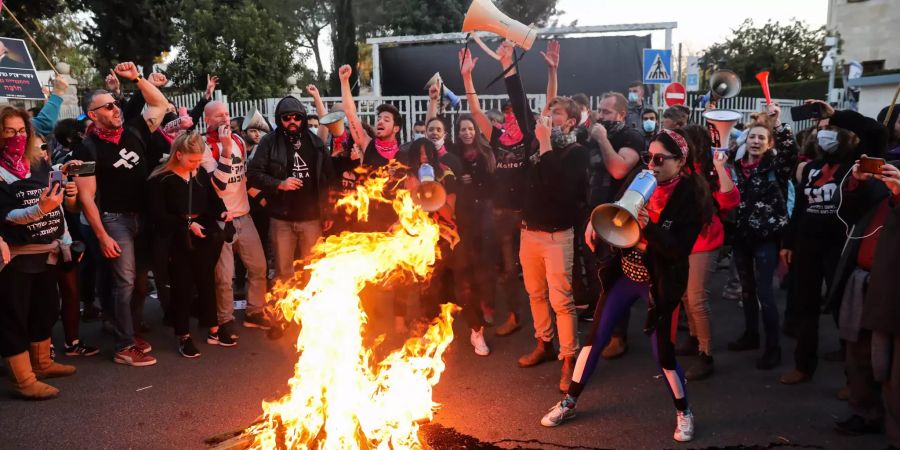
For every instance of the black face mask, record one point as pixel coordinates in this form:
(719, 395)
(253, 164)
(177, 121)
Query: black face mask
(170, 116)
(612, 126)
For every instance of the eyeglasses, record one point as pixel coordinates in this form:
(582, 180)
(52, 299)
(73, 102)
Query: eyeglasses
(658, 159)
(108, 106)
(10, 132)
(292, 118)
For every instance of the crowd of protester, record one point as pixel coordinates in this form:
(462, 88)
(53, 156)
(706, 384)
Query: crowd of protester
(90, 207)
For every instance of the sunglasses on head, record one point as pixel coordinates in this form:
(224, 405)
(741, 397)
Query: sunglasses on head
(658, 159)
(292, 117)
(108, 106)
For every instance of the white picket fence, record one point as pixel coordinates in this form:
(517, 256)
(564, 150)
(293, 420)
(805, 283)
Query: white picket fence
(415, 108)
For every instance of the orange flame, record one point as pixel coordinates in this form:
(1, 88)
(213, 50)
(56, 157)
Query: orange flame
(339, 396)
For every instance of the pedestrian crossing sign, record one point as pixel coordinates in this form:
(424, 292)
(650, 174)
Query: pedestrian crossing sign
(657, 66)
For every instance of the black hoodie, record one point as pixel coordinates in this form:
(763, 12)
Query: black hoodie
(273, 162)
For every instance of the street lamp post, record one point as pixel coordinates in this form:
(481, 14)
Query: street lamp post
(829, 64)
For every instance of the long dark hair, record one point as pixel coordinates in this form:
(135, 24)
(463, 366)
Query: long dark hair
(484, 148)
(700, 144)
(703, 198)
(431, 154)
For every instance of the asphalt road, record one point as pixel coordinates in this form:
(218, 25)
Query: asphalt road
(486, 402)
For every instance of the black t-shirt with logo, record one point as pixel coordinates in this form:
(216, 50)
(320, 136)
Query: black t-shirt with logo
(512, 171)
(122, 169)
(304, 201)
(603, 188)
(25, 193)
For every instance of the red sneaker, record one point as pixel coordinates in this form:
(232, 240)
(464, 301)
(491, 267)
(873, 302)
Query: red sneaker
(142, 345)
(133, 356)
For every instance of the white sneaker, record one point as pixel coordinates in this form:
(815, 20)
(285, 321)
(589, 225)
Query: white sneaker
(558, 413)
(477, 340)
(684, 428)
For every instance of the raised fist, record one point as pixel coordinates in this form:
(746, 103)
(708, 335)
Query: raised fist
(127, 70)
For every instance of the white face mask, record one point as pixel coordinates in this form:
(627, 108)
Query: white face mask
(314, 130)
(828, 140)
(633, 97)
(584, 117)
(417, 136)
(438, 143)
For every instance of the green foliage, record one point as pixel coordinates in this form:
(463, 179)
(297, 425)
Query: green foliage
(131, 30)
(790, 52)
(246, 46)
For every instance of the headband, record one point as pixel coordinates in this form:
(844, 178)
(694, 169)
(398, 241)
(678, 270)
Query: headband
(679, 141)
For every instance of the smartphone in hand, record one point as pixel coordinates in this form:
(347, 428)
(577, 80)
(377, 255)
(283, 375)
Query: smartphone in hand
(871, 165)
(56, 179)
(808, 111)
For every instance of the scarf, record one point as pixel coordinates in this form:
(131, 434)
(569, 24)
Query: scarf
(213, 140)
(748, 167)
(387, 149)
(12, 157)
(442, 151)
(512, 134)
(111, 136)
(660, 197)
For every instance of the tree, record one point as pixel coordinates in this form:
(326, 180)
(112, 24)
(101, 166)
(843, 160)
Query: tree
(790, 52)
(305, 19)
(42, 20)
(538, 12)
(343, 39)
(131, 30)
(242, 43)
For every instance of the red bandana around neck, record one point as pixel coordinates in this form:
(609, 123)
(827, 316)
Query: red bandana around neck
(512, 134)
(12, 156)
(111, 136)
(387, 149)
(212, 141)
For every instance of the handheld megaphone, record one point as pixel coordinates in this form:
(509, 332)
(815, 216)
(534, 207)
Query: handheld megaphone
(430, 194)
(334, 121)
(720, 122)
(723, 84)
(483, 15)
(450, 99)
(617, 223)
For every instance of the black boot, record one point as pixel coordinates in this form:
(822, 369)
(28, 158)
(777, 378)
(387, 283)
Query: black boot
(702, 369)
(746, 342)
(770, 359)
(689, 347)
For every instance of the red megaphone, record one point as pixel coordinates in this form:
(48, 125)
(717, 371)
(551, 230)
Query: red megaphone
(763, 78)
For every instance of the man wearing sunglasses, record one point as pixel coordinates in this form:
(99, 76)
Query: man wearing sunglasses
(292, 169)
(112, 198)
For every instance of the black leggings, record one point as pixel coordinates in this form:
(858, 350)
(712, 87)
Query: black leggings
(190, 268)
(813, 262)
(621, 296)
(29, 306)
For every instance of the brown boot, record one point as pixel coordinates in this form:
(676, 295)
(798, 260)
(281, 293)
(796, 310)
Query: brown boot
(43, 366)
(615, 349)
(795, 377)
(565, 377)
(542, 352)
(26, 383)
(509, 327)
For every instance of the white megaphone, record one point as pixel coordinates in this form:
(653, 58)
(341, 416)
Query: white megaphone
(720, 122)
(484, 16)
(617, 223)
(430, 194)
(334, 121)
(450, 99)
(257, 121)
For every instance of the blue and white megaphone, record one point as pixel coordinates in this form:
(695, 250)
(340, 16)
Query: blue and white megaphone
(430, 194)
(450, 99)
(617, 223)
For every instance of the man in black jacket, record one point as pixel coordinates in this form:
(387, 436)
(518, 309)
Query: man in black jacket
(554, 191)
(292, 169)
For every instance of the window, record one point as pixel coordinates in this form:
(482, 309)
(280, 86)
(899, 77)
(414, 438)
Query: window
(873, 66)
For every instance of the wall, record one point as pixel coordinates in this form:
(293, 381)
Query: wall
(868, 29)
(873, 98)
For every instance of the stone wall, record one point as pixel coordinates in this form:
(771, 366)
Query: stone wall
(868, 29)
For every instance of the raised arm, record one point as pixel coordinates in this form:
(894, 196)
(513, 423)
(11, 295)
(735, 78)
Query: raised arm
(156, 101)
(321, 111)
(45, 120)
(551, 56)
(466, 66)
(356, 130)
(197, 113)
(434, 100)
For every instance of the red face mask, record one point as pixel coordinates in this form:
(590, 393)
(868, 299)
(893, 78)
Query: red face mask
(12, 157)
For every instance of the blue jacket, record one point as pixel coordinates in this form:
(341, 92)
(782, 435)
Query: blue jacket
(45, 121)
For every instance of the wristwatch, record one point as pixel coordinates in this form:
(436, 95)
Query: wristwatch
(139, 77)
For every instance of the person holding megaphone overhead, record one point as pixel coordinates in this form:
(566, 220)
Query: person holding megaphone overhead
(654, 265)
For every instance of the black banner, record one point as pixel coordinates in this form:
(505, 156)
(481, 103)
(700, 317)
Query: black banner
(590, 65)
(18, 78)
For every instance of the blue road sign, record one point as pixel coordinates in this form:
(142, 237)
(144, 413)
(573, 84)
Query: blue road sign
(657, 66)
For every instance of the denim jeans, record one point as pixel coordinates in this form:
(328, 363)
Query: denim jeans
(547, 269)
(248, 246)
(292, 241)
(96, 277)
(703, 265)
(756, 263)
(129, 272)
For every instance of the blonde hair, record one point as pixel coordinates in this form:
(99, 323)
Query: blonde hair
(187, 144)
